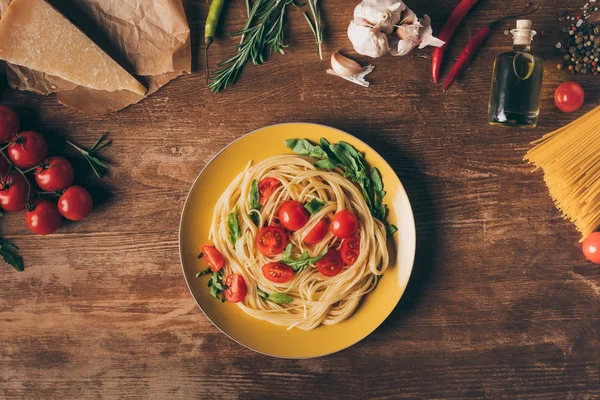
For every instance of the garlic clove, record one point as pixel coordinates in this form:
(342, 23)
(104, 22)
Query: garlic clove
(343, 66)
(408, 16)
(359, 78)
(368, 41)
(427, 38)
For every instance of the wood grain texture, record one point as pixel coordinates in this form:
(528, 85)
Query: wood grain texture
(501, 303)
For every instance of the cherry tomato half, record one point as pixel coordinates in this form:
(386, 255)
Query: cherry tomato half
(213, 257)
(9, 123)
(55, 174)
(277, 272)
(75, 203)
(236, 288)
(569, 96)
(13, 192)
(293, 215)
(44, 218)
(317, 233)
(266, 187)
(591, 247)
(331, 264)
(27, 149)
(344, 224)
(271, 240)
(350, 250)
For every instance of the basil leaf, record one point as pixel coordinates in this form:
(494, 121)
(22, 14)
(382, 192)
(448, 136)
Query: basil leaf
(234, 226)
(331, 158)
(391, 229)
(377, 185)
(262, 293)
(8, 253)
(301, 262)
(254, 217)
(305, 148)
(327, 164)
(280, 298)
(314, 206)
(254, 196)
(205, 272)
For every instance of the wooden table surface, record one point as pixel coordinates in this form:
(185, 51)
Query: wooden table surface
(501, 303)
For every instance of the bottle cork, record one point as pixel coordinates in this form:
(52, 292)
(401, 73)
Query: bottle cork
(523, 35)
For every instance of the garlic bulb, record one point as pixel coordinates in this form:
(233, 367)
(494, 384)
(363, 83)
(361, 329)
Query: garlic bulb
(383, 27)
(349, 69)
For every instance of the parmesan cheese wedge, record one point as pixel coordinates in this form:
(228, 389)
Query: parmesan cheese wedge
(33, 34)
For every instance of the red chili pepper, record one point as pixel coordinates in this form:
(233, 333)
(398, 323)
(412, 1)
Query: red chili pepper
(446, 34)
(474, 44)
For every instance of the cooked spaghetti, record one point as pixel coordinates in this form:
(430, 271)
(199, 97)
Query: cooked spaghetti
(570, 159)
(314, 298)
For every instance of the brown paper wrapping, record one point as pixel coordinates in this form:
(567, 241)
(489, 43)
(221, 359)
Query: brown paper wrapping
(151, 39)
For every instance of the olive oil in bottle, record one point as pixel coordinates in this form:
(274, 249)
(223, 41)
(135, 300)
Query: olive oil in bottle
(516, 82)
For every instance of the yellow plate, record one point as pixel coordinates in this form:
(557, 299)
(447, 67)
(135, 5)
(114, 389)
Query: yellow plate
(262, 336)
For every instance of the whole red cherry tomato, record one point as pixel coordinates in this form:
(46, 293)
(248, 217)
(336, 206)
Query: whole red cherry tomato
(569, 96)
(317, 233)
(75, 203)
(55, 174)
(331, 264)
(266, 187)
(27, 149)
(44, 218)
(213, 258)
(591, 247)
(350, 250)
(293, 215)
(13, 192)
(277, 272)
(9, 123)
(344, 224)
(236, 288)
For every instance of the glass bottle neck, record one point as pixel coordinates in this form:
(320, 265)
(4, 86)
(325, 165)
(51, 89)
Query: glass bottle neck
(522, 47)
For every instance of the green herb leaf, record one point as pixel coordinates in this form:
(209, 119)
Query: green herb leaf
(215, 283)
(314, 206)
(391, 229)
(234, 226)
(301, 262)
(254, 196)
(8, 253)
(254, 217)
(205, 272)
(278, 298)
(305, 148)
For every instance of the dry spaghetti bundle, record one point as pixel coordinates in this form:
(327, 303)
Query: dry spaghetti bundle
(570, 159)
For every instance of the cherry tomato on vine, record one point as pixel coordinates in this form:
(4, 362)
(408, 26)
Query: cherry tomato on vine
(9, 123)
(13, 192)
(350, 250)
(569, 96)
(277, 272)
(54, 174)
(236, 288)
(266, 187)
(293, 215)
(344, 224)
(44, 218)
(75, 203)
(271, 240)
(331, 264)
(317, 233)
(213, 258)
(27, 149)
(591, 247)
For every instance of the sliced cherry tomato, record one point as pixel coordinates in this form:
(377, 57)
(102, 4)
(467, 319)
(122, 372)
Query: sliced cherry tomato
(350, 250)
(236, 288)
(317, 233)
(293, 215)
(27, 149)
(344, 224)
(591, 247)
(569, 96)
(44, 218)
(13, 192)
(277, 272)
(75, 203)
(266, 187)
(271, 240)
(213, 258)
(331, 264)
(9, 123)
(55, 174)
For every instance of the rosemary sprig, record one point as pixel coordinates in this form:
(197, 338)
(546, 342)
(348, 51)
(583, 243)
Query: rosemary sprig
(316, 25)
(262, 34)
(98, 166)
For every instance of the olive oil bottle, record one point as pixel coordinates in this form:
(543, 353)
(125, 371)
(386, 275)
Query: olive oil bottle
(517, 82)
